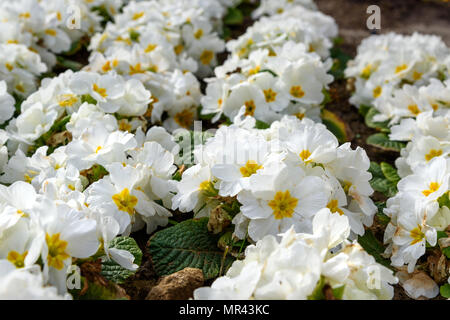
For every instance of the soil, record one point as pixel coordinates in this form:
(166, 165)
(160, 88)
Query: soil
(401, 16)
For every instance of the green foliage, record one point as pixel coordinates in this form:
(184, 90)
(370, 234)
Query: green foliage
(261, 125)
(444, 200)
(445, 290)
(373, 247)
(335, 125)
(112, 270)
(389, 172)
(340, 59)
(381, 140)
(187, 244)
(234, 17)
(69, 64)
(384, 178)
(368, 118)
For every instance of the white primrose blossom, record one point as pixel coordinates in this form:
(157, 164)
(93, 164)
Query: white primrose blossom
(273, 269)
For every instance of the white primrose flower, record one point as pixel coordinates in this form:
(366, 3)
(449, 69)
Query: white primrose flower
(25, 284)
(271, 268)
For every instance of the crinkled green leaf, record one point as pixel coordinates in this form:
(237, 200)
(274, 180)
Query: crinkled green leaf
(375, 170)
(187, 244)
(381, 140)
(112, 270)
(368, 118)
(389, 172)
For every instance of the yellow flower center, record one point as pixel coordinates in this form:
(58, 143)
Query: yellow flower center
(297, 91)
(150, 48)
(19, 87)
(56, 251)
(100, 91)
(106, 67)
(25, 15)
(138, 15)
(283, 205)
(249, 108)
(299, 115)
(417, 235)
(98, 149)
(346, 186)
(377, 92)
(184, 118)
(17, 259)
(136, 69)
(178, 49)
(433, 187)
(270, 95)
(124, 125)
(50, 32)
(125, 201)
(400, 68)
(67, 100)
(365, 73)
(333, 205)
(198, 34)
(9, 66)
(433, 153)
(250, 168)
(206, 57)
(414, 109)
(417, 75)
(254, 70)
(305, 154)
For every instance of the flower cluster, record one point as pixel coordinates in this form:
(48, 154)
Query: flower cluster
(275, 68)
(389, 70)
(280, 177)
(162, 44)
(404, 78)
(34, 31)
(330, 263)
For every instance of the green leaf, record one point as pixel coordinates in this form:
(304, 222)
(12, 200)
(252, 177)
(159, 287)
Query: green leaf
(340, 59)
(444, 200)
(364, 109)
(69, 64)
(381, 140)
(446, 252)
(88, 98)
(188, 244)
(445, 290)
(375, 170)
(389, 172)
(112, 270)
(373, 247)
(335, 125)
(368, 118)
(134, 35)
(261, 125)
(234, 16)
